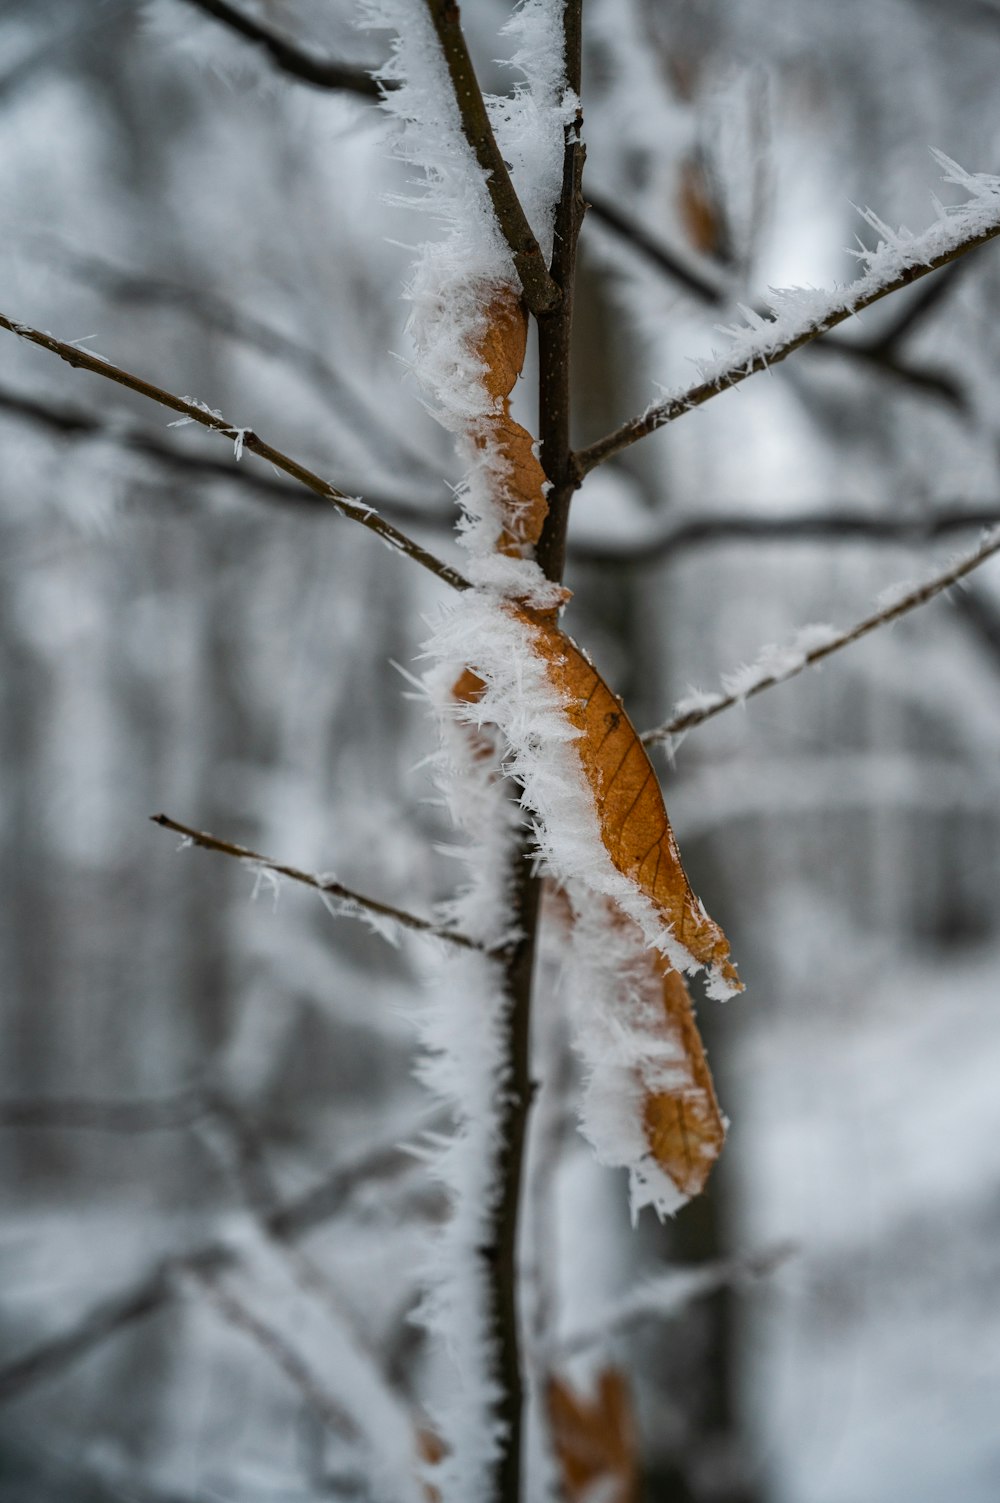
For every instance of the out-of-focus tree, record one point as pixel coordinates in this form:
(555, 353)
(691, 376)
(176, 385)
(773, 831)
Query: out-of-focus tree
(216, 1228)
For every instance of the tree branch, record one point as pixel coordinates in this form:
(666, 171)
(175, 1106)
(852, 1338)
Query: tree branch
(796, 660)
(541, 292)
(344, 401)
(244, 438)
(238, 1314)
(290, 58)
(94, 1115)
(347, 895)
(516, 1091)
(664, 546)
(767, 343)
(74, 423)
(290, 1220)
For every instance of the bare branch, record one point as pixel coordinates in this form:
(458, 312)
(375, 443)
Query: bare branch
(702, 285)
(244, 438)
(237, 1313)
(768, 351)
(290, 1220)
(671, 1293)
(541, 292)
(290, 58)
(321, 884)
(796, 661)
(97, 1326)
(345, 402)
(91, 1114)
(74, 423)
(840, 526)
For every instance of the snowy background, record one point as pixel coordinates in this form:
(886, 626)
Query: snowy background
(187, 1066)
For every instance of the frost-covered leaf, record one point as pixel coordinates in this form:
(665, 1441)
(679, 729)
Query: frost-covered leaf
(681, 1116)
(634, 827)
(518, 476)
(594, 1440)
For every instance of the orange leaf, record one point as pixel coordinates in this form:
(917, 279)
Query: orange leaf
(520, 478)
(700, 211)
(683, 1124)
(633, 819)
(594, 1439)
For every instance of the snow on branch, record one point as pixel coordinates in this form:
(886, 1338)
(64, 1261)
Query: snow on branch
(800, 315)
(811, 645)
(541, 293)
(320, 73)
(669, 1294)
(197, 412)
(350, 904)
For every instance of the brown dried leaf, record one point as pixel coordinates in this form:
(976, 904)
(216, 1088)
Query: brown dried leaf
(700, 212)
(520, 477)
(431, 1449)
(594, 1439)
(684, 1127)
(635, 829)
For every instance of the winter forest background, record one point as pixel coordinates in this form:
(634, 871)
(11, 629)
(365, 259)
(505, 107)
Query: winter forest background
(186, 1060)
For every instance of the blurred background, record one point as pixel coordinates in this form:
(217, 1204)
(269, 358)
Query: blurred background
(210, 1236)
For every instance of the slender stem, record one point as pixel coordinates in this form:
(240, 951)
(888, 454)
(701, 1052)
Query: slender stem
(541, 292)
(853, 302)
(554, 330)
(321, 884)
(74, 423)
(684, 720)
(245, 438)
(290, 58)
(663, 546)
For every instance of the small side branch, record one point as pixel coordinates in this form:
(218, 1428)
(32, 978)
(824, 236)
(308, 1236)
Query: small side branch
(767, 342)
(245, 438)
(541, 292)
(238, 1314)
(320, 73)
(660, 547)
(685, 718)
(326, 885)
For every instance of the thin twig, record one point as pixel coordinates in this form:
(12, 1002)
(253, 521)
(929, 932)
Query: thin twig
(321, 884)
(74, 423)
(238, 1314)
(244, 438)
(685, 719)
(91, 1114)
(729, 527)
(853, 301)
(107, 1319)
(346, 404)
(290, 1220)
(670, 1295)
(516, 1089)
(541, 292)
(290, 58)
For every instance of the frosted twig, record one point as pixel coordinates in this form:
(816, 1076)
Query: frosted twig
(348, 506)
(684, 718)
(321, 73)
(74, 423)
(343, 399)
(292, 1219)
(671, 1293)
(763, 343)
(541, 292)
(237, 1313)
(320, 884)
(659, 546)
